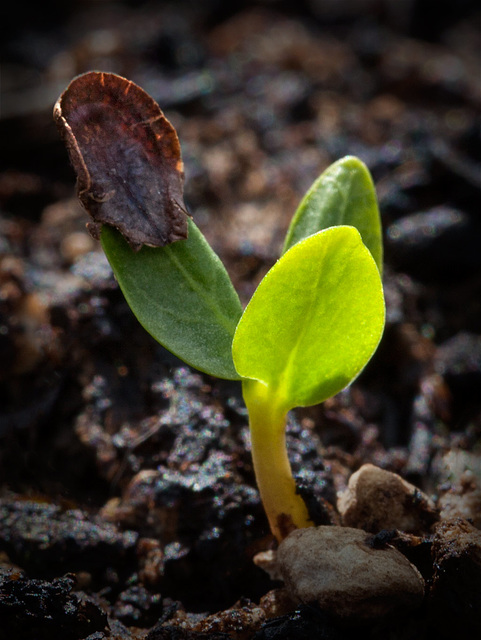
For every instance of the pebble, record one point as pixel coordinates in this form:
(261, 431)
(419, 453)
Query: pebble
(377, 499)
(338, 568)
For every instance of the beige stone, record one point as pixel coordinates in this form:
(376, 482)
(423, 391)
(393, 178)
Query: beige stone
(377, 499)
(267, 560)
(337, 567)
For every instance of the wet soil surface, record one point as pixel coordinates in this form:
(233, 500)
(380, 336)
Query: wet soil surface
(128, 505)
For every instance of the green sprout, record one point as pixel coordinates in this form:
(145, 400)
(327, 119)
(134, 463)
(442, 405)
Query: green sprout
(311, 326)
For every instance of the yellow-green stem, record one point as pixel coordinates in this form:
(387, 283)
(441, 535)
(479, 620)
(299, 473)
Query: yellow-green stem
(284, 508)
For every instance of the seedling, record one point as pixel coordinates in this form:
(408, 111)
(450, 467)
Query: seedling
(310, 328)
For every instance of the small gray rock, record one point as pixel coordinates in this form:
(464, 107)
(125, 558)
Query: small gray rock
(337, 567)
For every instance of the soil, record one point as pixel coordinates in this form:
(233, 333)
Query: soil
(128, 503)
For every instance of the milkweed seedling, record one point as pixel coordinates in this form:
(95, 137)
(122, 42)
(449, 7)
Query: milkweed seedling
(313, 322)
(310, 328)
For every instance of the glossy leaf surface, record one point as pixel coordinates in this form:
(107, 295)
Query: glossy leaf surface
(314, 321)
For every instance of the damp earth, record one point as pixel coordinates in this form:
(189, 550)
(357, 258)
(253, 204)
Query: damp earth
(128, 504)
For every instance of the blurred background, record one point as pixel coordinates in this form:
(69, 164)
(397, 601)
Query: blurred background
(264, 96)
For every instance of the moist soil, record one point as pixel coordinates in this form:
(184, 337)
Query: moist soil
(128, 504)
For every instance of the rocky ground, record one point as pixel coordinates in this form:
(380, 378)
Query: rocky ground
(128, 502)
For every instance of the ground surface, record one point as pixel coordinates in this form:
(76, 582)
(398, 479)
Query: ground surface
(128, 496)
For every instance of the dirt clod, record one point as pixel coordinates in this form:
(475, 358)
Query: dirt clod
(456, 587)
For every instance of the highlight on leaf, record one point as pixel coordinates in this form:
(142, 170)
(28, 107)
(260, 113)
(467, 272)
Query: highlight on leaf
(315, 319)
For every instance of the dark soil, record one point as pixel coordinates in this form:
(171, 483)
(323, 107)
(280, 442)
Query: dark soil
(128, 505)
